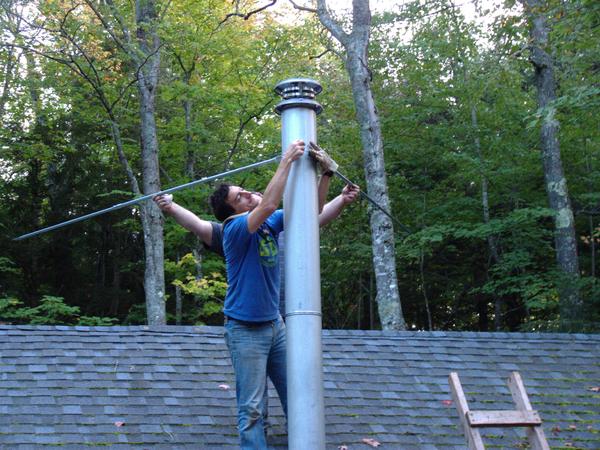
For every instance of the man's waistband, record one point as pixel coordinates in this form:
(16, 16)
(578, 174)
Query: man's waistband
(249, 323)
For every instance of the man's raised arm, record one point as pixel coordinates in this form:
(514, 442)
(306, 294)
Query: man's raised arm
(185, 218)
(334, 208)
(274, 191)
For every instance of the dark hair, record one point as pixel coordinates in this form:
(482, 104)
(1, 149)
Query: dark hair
(218, 202)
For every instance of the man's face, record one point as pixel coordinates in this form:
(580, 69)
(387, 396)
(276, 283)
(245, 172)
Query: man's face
(242, 200)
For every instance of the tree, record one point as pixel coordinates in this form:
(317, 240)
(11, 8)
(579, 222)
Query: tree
(146, 56)
(456, 118)
(556, 182)
(356, 45)
(382, 229)
(11, 21)
(141, 55)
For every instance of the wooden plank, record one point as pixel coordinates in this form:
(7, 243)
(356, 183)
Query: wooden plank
(536, 435)
(518, 392)
(473, 436)
(503, 418)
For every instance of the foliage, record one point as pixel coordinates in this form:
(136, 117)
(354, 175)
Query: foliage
(208, 291)
(458, 113)
(50, 311)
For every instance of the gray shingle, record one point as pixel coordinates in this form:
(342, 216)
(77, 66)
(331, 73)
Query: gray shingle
(69, 386)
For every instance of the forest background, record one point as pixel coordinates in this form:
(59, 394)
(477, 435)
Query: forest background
(101, 101)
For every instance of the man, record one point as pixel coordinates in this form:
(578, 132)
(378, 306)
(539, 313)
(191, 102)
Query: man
(255, 332)
(254, 329)
(211, 233)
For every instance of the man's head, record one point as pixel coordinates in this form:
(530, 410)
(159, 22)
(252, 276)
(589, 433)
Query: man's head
(228, 200)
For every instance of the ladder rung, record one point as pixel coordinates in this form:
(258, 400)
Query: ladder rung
(503, 418)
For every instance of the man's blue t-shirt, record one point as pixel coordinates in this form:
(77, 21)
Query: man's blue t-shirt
(252, 268)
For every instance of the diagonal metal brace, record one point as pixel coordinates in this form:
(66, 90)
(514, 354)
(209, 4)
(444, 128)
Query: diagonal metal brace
(146, 197)
(374, 203)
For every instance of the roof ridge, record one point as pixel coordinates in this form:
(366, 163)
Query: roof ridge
(388, 334)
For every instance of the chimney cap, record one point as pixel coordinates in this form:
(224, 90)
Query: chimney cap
(298, 88)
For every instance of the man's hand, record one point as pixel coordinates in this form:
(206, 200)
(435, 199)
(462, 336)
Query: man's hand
(334, 208)
(325, 161)
(164, 202)
(350, 193)
(294, 151)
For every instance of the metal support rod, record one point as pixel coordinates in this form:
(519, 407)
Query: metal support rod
(373, 202)
(146, 197)
(306, 408)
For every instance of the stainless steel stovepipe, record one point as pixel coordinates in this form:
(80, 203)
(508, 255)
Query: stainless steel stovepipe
(306, 410)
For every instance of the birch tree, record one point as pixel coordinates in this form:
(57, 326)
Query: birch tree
(356, 44)
(143, 52)
(555, 180)
(146, 56)
(142, 56)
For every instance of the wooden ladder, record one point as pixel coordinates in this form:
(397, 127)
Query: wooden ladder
(524, 416)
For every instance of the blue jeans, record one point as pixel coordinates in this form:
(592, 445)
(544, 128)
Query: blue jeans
(256, 352)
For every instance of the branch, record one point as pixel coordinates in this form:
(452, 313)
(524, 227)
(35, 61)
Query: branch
(67, 14)
(330, 23)
(122, 93)
(71, 38)
(116, 132)
(329, 50)
(187, 73)
(106, 25)
(240, 131)
(163, 13)
(97, 82)
(402, 16)
(320, 55)
(141, 64)
(39, 53)
(248, 14)
(302, 8)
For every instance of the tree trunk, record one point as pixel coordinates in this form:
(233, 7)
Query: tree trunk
(9, 66)
(152, 222)
(190, 163)
(592, 247)
(494, 257)
(178, 299)
(116, 281)
(485, 205)
(35, 183)
(588, 165)
(424, 289)
(11, 21)
(422, 273)
(556, 183)
(382, 229)
(371, 304)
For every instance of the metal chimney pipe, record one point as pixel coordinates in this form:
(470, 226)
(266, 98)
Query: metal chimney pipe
(306, 409)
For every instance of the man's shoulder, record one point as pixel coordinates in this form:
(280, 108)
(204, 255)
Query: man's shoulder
(275, 219)
(216, 239)
(277, 215)
(236, 222)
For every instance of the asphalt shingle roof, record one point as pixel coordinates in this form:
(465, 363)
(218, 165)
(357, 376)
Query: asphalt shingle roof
(161, 388)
